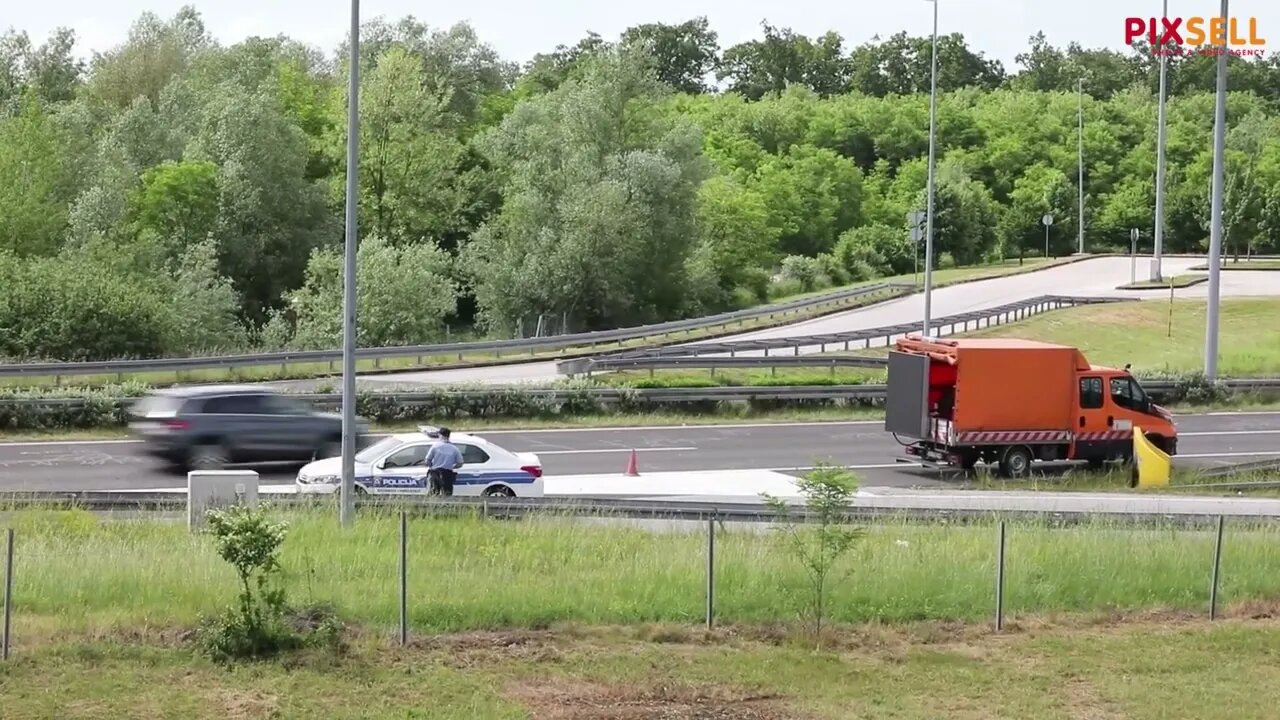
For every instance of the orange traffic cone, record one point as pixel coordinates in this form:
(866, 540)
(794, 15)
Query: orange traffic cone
(632, 470)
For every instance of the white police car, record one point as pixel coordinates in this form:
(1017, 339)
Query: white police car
(397, 464)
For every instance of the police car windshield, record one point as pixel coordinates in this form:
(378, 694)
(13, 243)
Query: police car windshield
(375, 450)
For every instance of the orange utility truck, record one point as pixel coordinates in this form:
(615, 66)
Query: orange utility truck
(1011, 402)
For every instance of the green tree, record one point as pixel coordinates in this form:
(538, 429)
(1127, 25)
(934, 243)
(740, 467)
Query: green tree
(820, 546)
(154, 53)
(404, 295)
(683, 55)
(34, 182)
(270, 216)
(598, 214)
(414, 183)
(178, 202)
(758, 67)
(202, 307)
(733, 231)
(813, 195)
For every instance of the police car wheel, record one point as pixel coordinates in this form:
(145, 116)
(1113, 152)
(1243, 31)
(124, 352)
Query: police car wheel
(499, 492)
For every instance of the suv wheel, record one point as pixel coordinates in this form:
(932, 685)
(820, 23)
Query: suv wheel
(208, 456)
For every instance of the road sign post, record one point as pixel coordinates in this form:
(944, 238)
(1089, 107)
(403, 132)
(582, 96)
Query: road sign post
(916, 224)
(1133, 255)
(1047, 220)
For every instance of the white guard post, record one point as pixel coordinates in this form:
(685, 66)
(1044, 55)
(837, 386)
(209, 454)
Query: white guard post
(208, 489)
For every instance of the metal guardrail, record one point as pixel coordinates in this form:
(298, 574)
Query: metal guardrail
(613, 395)
(657, 358)
(881, 509)
(529, 345)
(666, 362)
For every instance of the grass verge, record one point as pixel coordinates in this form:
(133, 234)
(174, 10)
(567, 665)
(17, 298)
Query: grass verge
(1160, 336)
(77, 572)
(1223, 671)
(1271, 265)
(1177, 281)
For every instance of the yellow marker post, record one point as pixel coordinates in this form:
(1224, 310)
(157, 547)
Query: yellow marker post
(1154, 467)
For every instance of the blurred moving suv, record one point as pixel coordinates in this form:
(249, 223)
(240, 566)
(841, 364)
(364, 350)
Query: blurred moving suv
(398, 464)
(210, 427)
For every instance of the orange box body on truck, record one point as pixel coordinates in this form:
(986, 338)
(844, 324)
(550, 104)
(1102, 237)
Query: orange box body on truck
(1012, 402)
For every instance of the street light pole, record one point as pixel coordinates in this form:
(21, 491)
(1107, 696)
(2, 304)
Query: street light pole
(347, 503)
(1158, 253)
(1215, 209)
(933, 123)
(1080, 159)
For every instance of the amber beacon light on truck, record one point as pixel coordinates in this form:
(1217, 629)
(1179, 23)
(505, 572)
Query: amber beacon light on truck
(1013, 402)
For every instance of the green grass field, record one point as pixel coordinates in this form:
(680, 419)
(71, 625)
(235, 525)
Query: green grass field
(1155, 668)
(1113, 334)
(1143, 334)
(77, 573)
(1245, 265)
(554, 619)
(1177, 281)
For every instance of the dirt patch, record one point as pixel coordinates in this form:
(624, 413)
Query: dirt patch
(580, 700)
(239, 705)
(1083, 701)
(480, 649)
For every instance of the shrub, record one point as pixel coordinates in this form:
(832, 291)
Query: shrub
(803, 270)
(259, 625)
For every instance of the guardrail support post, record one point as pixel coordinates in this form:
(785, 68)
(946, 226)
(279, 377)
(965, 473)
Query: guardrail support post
(1217, 569)
(1000, 580)
(8, 594)
(711, 571)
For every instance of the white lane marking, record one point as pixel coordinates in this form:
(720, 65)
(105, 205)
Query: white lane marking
(1229, 432)
(609, 450)
(1260, 453)
(878, 466)
(37, 443)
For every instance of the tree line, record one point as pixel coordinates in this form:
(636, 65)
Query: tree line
(174, 195)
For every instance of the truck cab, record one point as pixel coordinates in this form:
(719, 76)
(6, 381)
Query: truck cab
(1012, 402)
(1109, 404)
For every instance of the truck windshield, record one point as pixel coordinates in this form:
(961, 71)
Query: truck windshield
(1139, 395)
(1127, 393)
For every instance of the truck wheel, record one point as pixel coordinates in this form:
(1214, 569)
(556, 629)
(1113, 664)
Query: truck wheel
(1016, 462)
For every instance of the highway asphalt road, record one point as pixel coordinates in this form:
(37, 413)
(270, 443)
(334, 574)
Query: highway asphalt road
(863, 446)
(1089, 278)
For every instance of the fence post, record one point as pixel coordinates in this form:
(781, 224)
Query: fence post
(1217, 568)
(711, 571)
(1000, 581)
(404, 577)
(8, 594)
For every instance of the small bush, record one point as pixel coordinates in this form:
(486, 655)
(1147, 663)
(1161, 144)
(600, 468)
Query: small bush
(260, 624)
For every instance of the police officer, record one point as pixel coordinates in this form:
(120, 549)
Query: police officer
(443, 461)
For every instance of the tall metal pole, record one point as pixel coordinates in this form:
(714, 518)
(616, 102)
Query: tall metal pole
(347, 506)
(933, 123)
(1158, 253)
(1080, 159)
(1215, 209)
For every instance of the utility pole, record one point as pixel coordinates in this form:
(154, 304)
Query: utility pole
(1157, 272)
(1215, 209)
(933, 129)
(1080, 158)
(346, 510)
